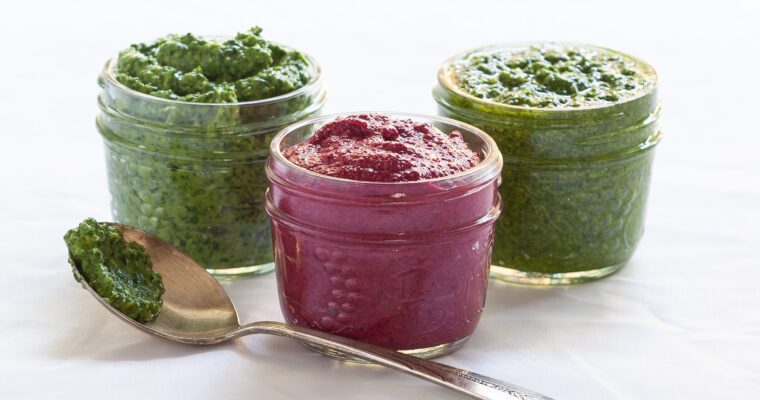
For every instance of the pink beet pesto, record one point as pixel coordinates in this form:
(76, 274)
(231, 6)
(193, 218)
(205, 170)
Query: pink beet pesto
(375, 147)
(383, 227)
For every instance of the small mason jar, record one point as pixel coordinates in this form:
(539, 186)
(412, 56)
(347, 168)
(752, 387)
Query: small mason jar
(193, 173)
(575, 180)
(402, 265)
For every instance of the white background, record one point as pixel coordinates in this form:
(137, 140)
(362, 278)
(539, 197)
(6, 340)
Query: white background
(682, 320)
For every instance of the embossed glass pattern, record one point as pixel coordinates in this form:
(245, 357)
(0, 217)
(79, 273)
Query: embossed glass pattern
(402, 265)
(574, 183)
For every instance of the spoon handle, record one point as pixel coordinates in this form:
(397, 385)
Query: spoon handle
(462, 381)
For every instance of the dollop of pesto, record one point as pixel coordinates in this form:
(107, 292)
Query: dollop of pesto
(120, 272)
(194, 69)
(552, 76)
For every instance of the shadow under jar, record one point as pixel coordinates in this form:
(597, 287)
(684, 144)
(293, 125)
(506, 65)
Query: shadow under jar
(575, 178)
(402, 265)
(193, 173)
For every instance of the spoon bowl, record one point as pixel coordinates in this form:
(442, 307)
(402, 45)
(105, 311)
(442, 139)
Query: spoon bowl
(197, 310)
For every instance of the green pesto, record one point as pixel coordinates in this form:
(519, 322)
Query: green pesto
(193, 173)
(552, 76)
(575, 180)
(191, 68)
(120, 272)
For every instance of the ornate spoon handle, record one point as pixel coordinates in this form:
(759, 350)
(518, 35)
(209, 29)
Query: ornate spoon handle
(462, 381)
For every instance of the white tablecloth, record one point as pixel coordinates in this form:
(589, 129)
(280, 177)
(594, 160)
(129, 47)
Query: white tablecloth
(682, 320)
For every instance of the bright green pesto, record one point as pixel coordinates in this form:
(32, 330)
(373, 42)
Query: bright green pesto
(186, 162)
(577, 152)
(551, 76)
(120, 272)
(191, 68)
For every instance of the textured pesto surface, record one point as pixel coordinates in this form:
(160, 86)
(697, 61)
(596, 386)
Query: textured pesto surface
(210, 209)
(120, 272)
(193, 173)
(571, 217)
(550, 76)
(191, 68)
(574, 182)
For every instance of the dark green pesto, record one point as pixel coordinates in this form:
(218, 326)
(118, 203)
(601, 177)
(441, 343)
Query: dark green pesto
(193, 173)
(551, 76)
(191, 68)
(120, 272)
(575, 180)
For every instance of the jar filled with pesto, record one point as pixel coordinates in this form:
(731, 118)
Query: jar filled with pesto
(577, 126)
(187, 123)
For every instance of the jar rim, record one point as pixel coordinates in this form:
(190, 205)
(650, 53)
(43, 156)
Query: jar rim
(316, 81)
(492, 156)
(445, 76)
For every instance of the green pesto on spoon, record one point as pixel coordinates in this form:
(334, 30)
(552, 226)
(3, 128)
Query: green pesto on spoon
(197, 310)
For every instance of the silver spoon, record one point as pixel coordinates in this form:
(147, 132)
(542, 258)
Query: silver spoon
(197, 310)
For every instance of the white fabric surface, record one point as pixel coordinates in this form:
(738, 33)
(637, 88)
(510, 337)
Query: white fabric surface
(681, 321)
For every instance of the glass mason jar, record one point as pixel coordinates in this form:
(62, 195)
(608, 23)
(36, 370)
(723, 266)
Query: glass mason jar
(403, 265)
(193, 173)
(574, 183)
